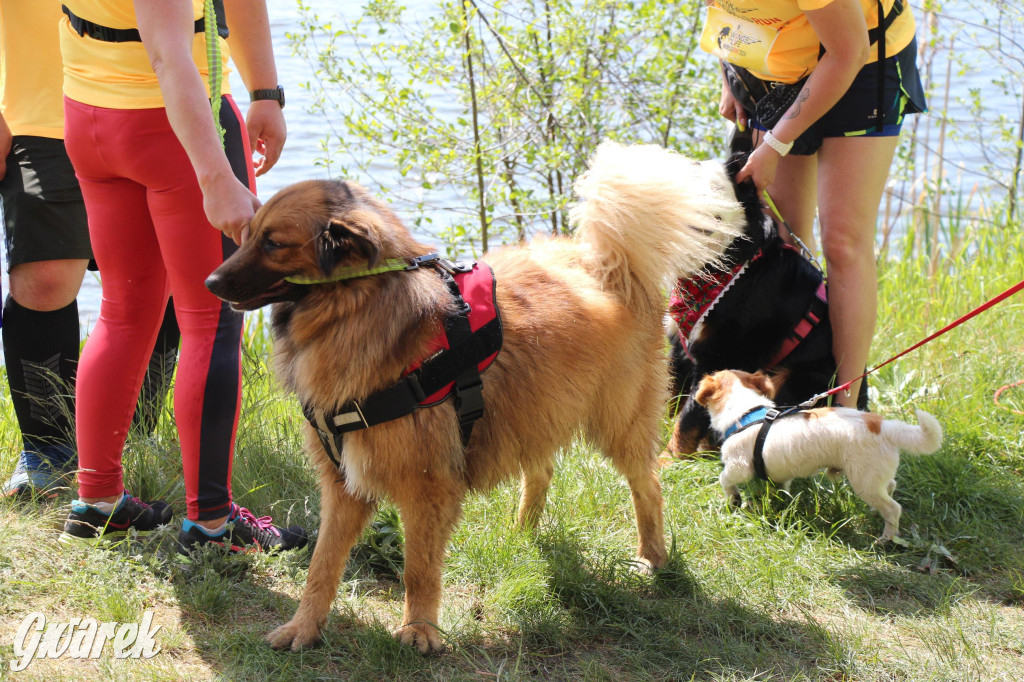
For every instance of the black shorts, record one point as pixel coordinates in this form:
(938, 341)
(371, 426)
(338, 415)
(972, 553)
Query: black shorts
(854, 115)
(44, 215)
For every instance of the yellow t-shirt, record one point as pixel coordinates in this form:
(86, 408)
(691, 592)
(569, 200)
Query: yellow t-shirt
(777, 35)
(119, 75)
(30, 70)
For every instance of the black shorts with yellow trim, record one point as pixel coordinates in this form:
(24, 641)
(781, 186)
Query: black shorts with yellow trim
(44, 215)
(855, 114)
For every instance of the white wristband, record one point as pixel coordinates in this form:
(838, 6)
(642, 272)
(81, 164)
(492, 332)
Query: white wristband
(781, 147)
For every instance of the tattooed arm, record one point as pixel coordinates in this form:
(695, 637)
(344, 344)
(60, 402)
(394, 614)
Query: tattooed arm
(842, 30)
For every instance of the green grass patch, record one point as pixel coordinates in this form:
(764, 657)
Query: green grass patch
(790, 587)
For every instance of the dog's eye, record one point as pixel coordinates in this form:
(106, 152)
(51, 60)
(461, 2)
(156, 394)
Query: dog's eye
(271, 245)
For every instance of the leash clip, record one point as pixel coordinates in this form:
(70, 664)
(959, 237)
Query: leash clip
(421, 261)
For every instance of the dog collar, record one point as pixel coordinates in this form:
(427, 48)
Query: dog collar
(355, 271)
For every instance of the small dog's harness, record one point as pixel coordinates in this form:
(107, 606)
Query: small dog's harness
(765, 416)
(466, 346)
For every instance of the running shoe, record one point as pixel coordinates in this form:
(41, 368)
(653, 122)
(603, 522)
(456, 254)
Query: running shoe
(88, 524)
(244, 533)
(41, 470)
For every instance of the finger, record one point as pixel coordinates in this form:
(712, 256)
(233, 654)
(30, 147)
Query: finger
(245, 235)
(741, 118)
(254, 136)
(272, 153)
(744, 173)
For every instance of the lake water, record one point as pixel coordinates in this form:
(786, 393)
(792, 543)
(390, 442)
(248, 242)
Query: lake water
(966, 159)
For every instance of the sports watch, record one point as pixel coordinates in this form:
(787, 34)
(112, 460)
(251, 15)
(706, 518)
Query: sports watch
(276, 94)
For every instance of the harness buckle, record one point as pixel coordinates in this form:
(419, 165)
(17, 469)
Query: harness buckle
(771, 414)
(469, 399)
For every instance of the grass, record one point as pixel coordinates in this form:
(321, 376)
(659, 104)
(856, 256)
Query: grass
(789, 588)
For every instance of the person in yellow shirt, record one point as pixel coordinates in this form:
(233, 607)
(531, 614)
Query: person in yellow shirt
(46, 237)
(830, 150)
(168, 199)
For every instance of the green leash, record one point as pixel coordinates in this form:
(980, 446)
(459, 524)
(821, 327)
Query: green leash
(213, 62)
(354, 271)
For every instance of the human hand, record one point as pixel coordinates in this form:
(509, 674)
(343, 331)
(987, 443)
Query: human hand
(267, 133)
(731, 109)
(6, 139)
(229, 206)
(761, 166)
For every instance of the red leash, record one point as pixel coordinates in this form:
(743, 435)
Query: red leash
(980, 309)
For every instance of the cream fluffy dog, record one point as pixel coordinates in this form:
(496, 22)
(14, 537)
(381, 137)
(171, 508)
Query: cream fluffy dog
(861, 445)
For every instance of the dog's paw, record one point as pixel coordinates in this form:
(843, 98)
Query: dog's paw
(644, 566)
(294, 635)
(735, 501)
(424, 636)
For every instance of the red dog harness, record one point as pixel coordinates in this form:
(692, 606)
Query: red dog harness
(467, 344)
(693, 298)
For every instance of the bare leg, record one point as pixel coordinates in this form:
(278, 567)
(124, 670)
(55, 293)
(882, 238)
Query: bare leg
(342, 519)
(794, 192)
(851, 179)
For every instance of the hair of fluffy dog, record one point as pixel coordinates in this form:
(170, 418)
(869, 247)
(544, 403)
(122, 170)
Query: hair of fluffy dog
(862, 445)
(650, 216)
(575, 312)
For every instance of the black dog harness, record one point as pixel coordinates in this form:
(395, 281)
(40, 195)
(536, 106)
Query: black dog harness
(469, 342)
(765, 416)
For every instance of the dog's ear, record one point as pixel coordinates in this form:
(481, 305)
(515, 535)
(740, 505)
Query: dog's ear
(763, 384)
(340, 238)
(707, 387)
(777, 378)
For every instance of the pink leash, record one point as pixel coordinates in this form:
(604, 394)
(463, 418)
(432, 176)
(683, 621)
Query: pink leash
(980, 309)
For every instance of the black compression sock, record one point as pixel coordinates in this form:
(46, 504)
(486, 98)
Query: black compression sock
(41, 351)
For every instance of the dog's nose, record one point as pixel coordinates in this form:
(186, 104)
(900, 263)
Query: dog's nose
(214, 283)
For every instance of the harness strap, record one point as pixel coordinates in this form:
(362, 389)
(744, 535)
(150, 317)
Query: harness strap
(762, 435)
(765, 416)
(817, 311)
(404, 397)
(107, 34)
(468, 393)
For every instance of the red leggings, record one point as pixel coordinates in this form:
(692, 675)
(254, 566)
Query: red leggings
(151, 239)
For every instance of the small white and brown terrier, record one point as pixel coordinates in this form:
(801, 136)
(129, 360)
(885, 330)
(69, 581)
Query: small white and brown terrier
(862, 445)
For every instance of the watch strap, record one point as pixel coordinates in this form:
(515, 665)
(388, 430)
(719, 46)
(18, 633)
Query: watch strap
(781, 147)
(275, 94)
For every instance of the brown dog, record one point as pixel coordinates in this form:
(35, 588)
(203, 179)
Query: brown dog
(583, 354)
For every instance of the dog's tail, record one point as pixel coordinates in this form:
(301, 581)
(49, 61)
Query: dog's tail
(650, 215)
(923, 439)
